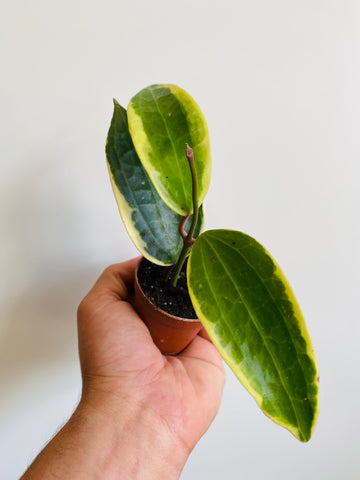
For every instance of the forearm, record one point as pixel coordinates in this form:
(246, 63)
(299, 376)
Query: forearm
(95, 446)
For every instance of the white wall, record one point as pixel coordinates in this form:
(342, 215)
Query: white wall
(279, 85)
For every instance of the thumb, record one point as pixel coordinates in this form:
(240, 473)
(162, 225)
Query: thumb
(113, 340)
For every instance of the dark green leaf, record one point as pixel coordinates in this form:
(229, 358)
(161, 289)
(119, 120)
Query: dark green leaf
(151, 224)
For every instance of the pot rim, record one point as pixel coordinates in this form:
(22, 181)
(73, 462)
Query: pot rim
(154, 306)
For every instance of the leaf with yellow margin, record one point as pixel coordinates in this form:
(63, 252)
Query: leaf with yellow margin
(250, 313)
(162, 118)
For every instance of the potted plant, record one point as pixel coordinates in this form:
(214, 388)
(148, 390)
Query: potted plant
(158, 155)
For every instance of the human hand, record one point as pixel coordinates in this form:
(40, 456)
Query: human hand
(179, 395)
(141, 413)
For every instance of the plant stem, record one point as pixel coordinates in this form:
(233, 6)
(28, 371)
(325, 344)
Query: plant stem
(190, 157)
(188, 239)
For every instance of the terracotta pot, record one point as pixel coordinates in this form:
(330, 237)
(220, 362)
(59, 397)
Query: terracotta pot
(170, 334)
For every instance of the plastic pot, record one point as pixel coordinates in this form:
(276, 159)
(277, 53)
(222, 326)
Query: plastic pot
(170, 334)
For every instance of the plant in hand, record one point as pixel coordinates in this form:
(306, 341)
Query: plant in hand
(159, 161)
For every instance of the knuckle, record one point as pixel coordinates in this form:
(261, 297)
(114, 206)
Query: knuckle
(83, 308)
(110, 269)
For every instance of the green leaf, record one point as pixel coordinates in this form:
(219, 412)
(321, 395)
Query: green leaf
(162, 118)
(249, 310)
(151, 224)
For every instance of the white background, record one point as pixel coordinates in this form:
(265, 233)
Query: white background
(279, 84)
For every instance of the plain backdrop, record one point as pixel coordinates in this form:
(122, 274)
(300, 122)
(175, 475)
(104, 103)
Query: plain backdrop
(279, 84)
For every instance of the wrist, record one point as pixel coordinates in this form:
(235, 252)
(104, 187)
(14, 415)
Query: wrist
(129, 441)
(104, 443)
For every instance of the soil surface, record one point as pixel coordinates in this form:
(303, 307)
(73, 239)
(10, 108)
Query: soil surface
(173, 300)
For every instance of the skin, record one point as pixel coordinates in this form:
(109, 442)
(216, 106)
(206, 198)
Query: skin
(141, 413)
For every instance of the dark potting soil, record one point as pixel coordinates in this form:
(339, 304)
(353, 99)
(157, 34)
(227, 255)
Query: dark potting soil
(173, 300)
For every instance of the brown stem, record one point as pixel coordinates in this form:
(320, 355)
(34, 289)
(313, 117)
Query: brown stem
(182, 230)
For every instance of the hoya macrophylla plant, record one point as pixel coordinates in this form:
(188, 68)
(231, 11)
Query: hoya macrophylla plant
(158, 154)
